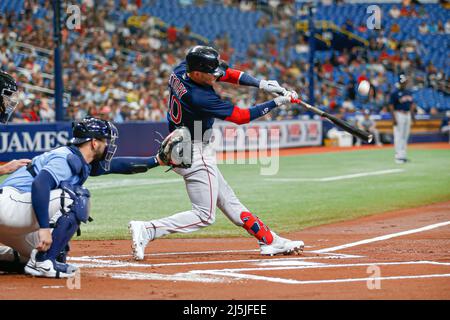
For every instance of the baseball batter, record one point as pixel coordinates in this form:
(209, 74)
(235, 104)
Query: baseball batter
(194, 104)
(402, 109)
(43, 204)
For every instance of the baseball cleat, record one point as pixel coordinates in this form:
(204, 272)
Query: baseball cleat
(49, 268)
(140, 239)
(402, 160)
(281, 246)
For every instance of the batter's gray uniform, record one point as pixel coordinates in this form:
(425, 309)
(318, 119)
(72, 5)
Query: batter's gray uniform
(207, 189)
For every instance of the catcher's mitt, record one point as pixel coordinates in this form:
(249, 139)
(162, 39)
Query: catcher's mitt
(176, 149)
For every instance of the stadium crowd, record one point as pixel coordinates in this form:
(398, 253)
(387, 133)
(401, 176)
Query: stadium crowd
(118, 70)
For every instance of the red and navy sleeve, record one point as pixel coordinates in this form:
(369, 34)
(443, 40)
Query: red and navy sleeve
(239, 77)
(213, 106)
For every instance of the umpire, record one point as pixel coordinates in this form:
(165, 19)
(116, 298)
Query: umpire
(402, 109)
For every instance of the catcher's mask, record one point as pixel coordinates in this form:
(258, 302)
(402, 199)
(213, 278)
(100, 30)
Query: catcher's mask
(9, 96)
(93, 128)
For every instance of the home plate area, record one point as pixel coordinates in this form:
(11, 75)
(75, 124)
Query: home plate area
(310, 268)
(396, 255)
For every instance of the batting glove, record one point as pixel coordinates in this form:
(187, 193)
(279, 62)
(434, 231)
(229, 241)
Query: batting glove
(292, 94)
(282, 100)
(272, 86)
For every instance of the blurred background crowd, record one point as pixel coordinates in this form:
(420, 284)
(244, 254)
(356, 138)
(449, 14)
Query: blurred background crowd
(118, 61)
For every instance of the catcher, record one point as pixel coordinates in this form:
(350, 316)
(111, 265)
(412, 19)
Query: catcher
(43, 204)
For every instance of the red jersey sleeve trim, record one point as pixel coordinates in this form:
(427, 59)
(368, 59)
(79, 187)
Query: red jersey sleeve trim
(231, 76)
(239, 116)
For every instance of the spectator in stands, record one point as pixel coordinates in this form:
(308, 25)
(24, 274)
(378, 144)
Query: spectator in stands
(422, 12)
(404, 11)
(5, 55)
(447, 26)
(369, 125)
(394, 12)
(263, 21)
(423, 28)
(157, 114)
(431, 74)
(433, 28)
(108, 55)
(395, 28)
(172, 34)
(440, 27)
(348, 105)
(412, 10)
(31, 112)
(46, 114)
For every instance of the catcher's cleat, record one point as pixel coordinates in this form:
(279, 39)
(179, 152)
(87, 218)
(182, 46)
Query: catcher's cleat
(281, 246)
(139, 240)
(49, 268)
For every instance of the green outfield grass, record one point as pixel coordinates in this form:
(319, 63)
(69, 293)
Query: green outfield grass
(284, 206)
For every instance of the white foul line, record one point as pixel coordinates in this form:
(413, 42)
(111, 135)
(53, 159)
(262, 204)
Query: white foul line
(292, 281)
(322, 266)
(335, 178)
(108, 184)
(385, 237)
(227, 275)
(113, 256)
(87, 262)
(170, 253)
(233, 273)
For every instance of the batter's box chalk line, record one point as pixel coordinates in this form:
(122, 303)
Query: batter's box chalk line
(89, 262)
(297, 263)
(236, 274)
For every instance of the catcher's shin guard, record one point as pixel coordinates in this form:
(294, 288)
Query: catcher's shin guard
(65, 229)
(256, 227)
(62, 257)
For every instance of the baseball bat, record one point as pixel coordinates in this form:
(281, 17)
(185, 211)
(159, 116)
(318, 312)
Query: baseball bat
(366, 136)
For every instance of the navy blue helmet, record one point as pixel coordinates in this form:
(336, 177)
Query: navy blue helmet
(93, 128)
(205, 59)
(8, 96)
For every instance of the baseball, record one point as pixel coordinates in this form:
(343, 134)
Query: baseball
(364, 87)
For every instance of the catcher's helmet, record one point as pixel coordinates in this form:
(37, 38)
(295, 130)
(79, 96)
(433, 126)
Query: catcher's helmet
(8, 96)
(205, 59)
(93, 128)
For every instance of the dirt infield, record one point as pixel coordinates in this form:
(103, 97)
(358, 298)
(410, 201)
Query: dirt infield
(396, 255)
